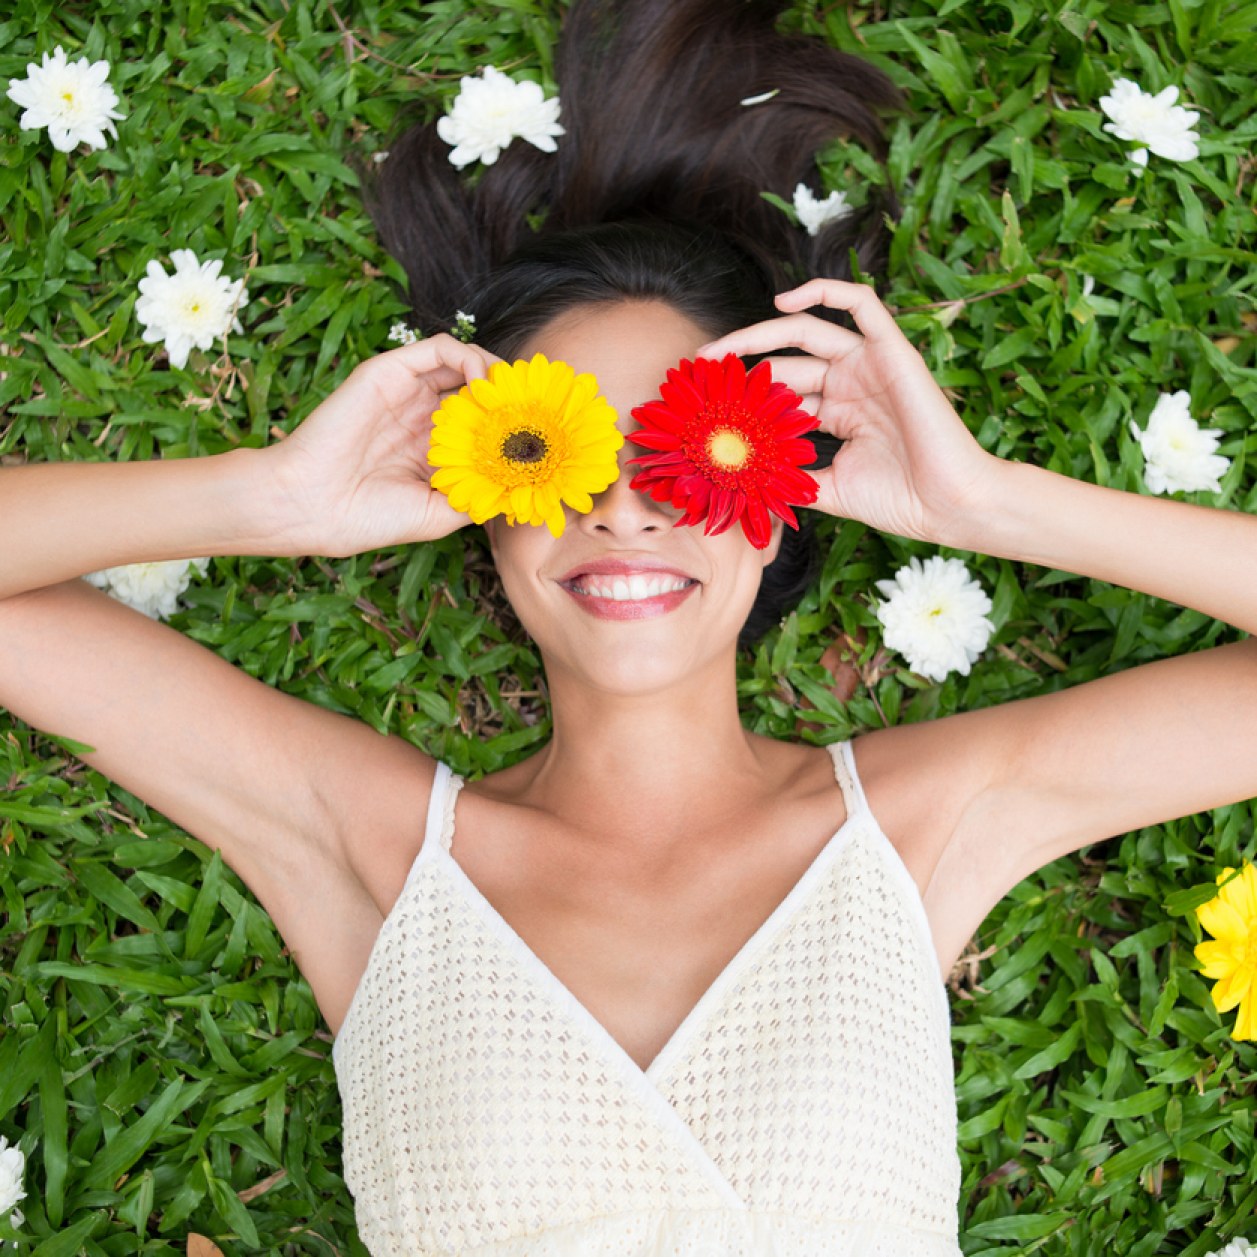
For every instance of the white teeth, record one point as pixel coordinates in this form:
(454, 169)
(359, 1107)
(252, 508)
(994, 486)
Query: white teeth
(631, 588)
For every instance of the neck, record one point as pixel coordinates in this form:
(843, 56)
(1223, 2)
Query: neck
(648, 768)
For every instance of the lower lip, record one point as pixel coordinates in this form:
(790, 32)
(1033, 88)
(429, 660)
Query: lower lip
(631, 608)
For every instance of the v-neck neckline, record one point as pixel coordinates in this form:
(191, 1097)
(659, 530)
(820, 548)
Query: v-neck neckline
(771, 926)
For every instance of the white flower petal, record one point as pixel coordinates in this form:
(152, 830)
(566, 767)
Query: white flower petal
(814, 214)
(1154, 122)
(1178, 454)
(935, 615)
(193, 307)
(12, 1167)
(492, 110)
(1238, 1247)
(72, 99)
(151, 588)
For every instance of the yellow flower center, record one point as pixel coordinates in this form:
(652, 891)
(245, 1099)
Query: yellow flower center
(727, 449)
(68, 97)
(522, 445)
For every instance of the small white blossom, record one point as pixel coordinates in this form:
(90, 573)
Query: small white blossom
(464, 326)
(1178, 453)
(152, 588)
(814, 214)
(760, 99)
(400, 333)
(71, 98)
(492, 110)
(1155, 122)
(380, 157)
(12, 1167)
(935, 615)
(191, 308)
(1236, 1248)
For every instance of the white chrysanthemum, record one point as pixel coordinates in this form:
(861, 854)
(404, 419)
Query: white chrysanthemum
(191, 308)
(71, 98)
(1236, 1248)
(152, 588)
(12, 1167)
(935, 615)
(1178, 453)
(1153, 121)
(814, 214)
(490, 111)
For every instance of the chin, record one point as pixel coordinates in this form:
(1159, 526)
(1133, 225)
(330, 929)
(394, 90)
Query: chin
(636, 662)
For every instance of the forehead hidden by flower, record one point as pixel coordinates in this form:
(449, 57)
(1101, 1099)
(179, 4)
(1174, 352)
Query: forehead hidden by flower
(524, 443)
(726, 446)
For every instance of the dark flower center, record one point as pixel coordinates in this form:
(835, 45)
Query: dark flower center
(524, 447)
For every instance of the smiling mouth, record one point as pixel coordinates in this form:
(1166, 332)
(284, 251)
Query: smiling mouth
(635, 588)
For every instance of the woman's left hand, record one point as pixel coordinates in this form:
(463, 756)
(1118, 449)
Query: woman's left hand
(908, 464)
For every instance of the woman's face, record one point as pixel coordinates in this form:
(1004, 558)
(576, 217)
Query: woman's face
(688, 594)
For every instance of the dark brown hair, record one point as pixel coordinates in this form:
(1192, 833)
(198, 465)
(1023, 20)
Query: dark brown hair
(654, 192)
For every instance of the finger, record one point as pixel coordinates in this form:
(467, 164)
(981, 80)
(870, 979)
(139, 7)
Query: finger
(859, 300)
(423, 356)
(815, 336)
(445, 380)
(802, 375)
(442, 519)
(811, 403)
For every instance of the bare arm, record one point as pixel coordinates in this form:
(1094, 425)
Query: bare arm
(1144, 745)
(1199, 556)
(979, 800)
(65, 519)
(306, 805)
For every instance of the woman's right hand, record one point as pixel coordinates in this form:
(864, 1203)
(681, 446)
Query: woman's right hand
(354, 476)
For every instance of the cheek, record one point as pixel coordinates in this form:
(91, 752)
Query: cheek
(517, 555)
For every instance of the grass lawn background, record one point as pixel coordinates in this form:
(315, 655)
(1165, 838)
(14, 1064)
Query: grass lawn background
(161, 1061)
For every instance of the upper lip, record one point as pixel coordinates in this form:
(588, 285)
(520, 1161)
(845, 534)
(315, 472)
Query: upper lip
(623, 567)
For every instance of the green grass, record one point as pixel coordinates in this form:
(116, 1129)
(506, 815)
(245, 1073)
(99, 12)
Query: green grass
(160, 1055)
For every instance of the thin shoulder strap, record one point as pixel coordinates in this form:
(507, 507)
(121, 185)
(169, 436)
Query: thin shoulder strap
(438, 828)
(436, 803)
(436, 815)
(847, 777)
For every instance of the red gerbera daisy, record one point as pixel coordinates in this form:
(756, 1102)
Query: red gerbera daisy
(727, 446)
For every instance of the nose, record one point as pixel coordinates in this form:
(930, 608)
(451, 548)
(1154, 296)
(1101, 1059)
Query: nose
(622, 512)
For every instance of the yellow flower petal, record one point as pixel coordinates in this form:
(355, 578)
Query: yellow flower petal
(1222, 921)
(524, 441)
(1246, 1021)
(1241, 893)
(522, 501)
(1217, 959)
(1233, 988)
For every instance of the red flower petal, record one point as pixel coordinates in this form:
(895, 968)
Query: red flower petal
(726, 480)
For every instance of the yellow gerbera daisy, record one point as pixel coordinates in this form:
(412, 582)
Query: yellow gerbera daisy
(1231, 955)
(523, 442)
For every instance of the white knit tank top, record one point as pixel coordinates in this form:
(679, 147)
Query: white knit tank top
(804, 1108)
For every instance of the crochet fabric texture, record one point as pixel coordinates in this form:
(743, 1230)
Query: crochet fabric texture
(804, 1108)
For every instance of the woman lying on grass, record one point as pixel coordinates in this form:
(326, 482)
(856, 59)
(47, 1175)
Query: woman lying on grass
(665, 986)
